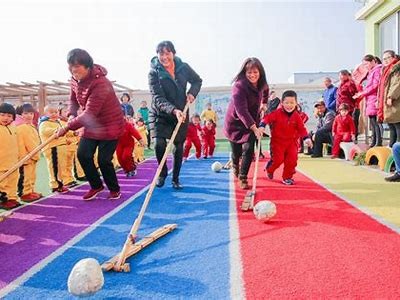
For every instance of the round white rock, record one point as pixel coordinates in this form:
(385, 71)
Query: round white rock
(86, 278)
(216, 167)
(264, 210)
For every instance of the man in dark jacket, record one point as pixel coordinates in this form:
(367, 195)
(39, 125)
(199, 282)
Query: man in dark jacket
(323, 134)
(168, 79)
(101, 119)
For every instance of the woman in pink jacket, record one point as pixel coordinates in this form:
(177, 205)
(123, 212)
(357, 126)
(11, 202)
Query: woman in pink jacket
(370, 92)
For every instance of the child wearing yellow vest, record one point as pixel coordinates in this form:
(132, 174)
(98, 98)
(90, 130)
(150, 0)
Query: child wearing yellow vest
(139, 148)
(8, 157)
(55, 152)
(28, 139)
(208, 114)
(73, 168)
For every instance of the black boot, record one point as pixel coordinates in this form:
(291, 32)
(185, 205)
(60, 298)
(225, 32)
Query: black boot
(160, 181)
(244, 185)
(176, 185)
(235, 169)
(394, 178)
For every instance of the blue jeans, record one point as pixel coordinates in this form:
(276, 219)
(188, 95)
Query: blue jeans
(396, 156)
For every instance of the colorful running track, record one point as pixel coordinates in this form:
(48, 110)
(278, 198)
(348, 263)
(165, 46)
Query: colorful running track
(317, 246)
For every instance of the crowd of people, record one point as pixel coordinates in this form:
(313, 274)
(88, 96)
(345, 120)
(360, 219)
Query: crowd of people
(98, 131)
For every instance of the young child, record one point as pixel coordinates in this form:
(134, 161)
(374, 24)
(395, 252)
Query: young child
(192, 137)
(28, 139)
(208, 114)
(73, 168)
(346, 91)
(125, 147)
(55, 152)
(304, 117)
(286, 129)
(8, 157)
(144, 112)
(343, 129)
(139, 149)
(127, 107)
(208, 135)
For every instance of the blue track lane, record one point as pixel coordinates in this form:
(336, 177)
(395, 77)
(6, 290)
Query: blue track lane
(191, 262)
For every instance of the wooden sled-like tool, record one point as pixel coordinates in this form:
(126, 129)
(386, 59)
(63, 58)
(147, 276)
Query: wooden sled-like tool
(248, 201)
(131, 247)
(136, 247)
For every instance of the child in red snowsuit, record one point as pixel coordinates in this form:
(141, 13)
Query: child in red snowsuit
(286, 129)
(208, 131)
(192, 137)
(343, 129)
(125, 147)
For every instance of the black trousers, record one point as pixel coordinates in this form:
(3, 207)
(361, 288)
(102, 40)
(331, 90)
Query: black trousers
(320, 138)
(160, 144)
(86, 150)
(246, 151)
(356, 119)
(377, 130)
(394, 133)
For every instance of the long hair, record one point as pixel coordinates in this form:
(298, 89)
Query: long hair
(249, 63)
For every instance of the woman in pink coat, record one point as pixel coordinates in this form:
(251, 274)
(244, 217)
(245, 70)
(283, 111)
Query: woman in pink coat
(370, 93)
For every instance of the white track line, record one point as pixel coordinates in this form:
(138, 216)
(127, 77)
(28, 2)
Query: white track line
(236, 269)
(364, 209)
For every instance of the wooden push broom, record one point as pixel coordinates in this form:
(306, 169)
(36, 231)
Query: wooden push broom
(131, 247)
(27, 157)
(248, 202)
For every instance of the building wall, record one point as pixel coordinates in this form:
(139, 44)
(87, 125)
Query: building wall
(372, 24)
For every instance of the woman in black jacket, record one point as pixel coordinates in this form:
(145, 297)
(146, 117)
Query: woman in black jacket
(168, 80)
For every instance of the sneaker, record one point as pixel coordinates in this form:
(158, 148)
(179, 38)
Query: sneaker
(160, 181)
(62, 190)
(92, 193)
(71, 184)
(131, 173)
(30, 197)
(114, 195)
(243, 183)
(205, 157)
(83, 178)
(315, 155)
(9, 204)
(270, 175)
(288, 181)
(394, 178)
(37, 194)
(176, 185)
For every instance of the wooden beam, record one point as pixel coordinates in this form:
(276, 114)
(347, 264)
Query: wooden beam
(42, 98)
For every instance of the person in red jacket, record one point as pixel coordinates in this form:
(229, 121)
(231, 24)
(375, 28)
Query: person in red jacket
(286, 129)
(343, 129)
(126, 145)
(208, 132)
(345, 94)
(101, 120)
(193, 137)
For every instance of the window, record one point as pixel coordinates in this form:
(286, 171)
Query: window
(389, 33)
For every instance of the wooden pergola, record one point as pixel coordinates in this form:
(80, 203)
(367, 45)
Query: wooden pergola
(41, 93)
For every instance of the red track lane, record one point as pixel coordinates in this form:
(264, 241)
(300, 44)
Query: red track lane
(317, 246)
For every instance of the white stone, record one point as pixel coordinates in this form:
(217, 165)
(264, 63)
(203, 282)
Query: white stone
(86, 278)
(216, 167)
(264, 210)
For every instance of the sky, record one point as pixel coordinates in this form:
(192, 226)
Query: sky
(213, 37)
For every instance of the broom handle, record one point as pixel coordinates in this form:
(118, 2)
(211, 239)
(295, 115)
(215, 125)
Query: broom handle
(132, 234)
(256, 166)
(27, 157)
